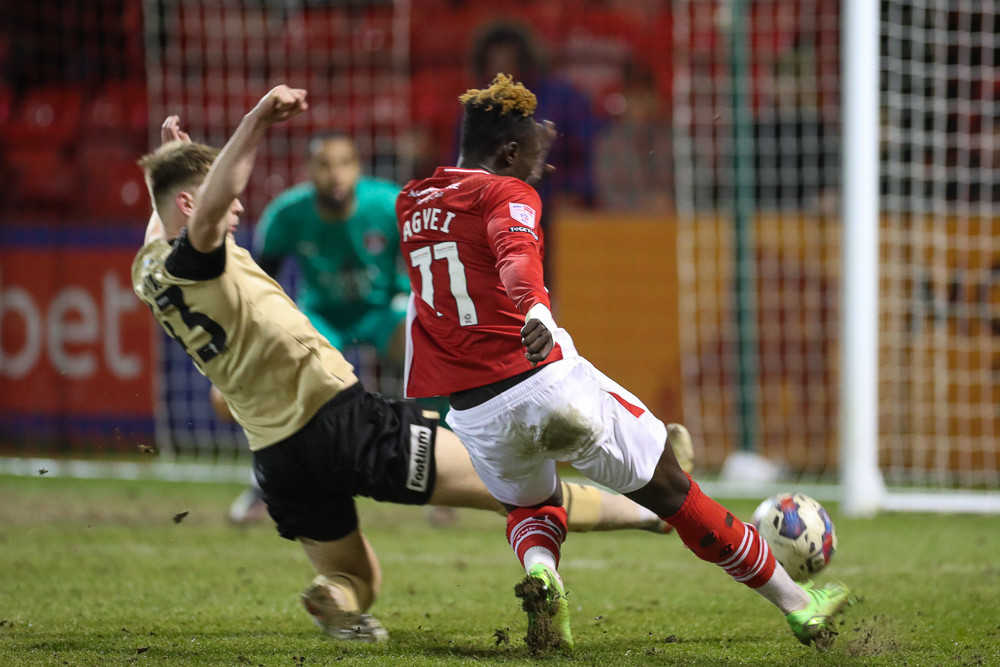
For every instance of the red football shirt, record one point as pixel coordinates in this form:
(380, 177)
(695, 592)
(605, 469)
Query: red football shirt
(473, 247)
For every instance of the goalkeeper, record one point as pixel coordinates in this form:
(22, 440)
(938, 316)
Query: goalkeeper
(318, 439)
(340, 228)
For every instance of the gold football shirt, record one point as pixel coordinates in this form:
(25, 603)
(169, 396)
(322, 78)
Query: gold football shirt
(247, 336)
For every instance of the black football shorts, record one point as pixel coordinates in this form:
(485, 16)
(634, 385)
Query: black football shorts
(358, 444)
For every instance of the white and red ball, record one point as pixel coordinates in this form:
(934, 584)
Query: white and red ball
(799, 531)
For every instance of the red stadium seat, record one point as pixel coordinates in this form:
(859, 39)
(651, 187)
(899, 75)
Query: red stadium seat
(6, 103)
(116, 192)
(100, 149)
(319, 30)
(42, 179)
(434, 94)
(46, 118)
(435, 38)
(117, 115)
(118, 105)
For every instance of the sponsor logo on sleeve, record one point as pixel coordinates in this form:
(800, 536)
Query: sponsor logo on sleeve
(524, 230)
(420, 458)
(523, 214)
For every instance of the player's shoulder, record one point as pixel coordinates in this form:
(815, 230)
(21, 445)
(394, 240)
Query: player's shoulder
(413, 189)
(149, 254)
(414, 185)
(453, 182)
(502, 189)
(377, 195)
(148, 262)
(372, 186)
(297, 195)
(294, 204)
(479, 180)
(510, 184)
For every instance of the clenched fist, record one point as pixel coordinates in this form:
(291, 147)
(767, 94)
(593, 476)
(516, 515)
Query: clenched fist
(281, 103)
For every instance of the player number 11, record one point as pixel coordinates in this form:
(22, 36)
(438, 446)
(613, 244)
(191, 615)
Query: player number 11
(447, 250)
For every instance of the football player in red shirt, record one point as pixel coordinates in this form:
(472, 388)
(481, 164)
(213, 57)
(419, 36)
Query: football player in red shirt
(481, 331)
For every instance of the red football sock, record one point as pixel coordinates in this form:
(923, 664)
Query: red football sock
(543, 527)
(714, 534)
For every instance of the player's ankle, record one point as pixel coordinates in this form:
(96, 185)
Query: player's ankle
(783, 592)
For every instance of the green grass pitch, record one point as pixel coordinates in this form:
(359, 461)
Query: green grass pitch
(99, 573)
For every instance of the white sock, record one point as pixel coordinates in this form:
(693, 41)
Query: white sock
(780, 590)
(535, 555)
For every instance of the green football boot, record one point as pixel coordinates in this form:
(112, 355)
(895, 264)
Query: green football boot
(544, 598)
(813, 625)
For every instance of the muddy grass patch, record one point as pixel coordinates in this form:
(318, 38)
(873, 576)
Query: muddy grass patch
(875, 636)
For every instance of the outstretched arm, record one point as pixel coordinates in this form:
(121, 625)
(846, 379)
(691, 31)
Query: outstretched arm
(511, 230)
(231, 171)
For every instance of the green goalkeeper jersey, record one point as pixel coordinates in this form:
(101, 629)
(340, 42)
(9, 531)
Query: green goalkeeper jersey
(353, 286)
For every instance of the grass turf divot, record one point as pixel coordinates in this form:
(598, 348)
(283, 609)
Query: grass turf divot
(541, 636)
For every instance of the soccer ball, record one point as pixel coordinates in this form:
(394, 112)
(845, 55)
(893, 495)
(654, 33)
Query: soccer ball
(799, 532)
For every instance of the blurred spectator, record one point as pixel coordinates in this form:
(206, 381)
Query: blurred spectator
(511, 48)
(634, 154)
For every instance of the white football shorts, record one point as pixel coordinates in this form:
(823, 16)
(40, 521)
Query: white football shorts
(568, 411)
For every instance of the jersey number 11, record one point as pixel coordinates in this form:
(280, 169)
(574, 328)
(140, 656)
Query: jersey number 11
(447, 250)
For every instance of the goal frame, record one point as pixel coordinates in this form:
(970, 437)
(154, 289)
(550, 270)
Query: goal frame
(862, 489)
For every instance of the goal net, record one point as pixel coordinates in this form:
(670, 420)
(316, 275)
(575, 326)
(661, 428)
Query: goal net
(940, 259)
(756, 150)
(758, 131)
(209, 62)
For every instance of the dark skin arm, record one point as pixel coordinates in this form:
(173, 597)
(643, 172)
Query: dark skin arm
(535, 337)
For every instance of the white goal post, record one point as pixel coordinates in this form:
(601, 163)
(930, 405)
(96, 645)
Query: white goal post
(932, 393)
(863, 489)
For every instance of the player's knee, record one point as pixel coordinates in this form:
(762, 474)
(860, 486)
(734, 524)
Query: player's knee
(672, 483)
(555, 500)
(666, 490)
(670, 478)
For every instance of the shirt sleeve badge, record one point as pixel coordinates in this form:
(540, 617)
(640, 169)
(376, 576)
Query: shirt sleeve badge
(523, 214)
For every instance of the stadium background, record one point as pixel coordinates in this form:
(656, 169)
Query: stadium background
(651, 271)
